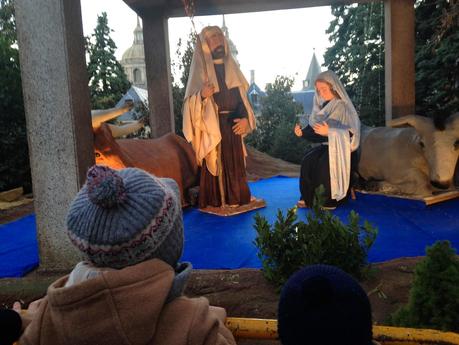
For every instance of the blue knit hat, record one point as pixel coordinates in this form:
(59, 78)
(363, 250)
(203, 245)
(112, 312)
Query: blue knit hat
(121, 218)
(323, 305)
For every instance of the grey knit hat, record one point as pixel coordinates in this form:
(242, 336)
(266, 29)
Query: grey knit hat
(120, 218)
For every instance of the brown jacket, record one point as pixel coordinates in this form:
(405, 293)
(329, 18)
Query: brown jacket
(125, 307)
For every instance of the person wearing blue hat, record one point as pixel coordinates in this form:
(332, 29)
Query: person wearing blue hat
(323, 305)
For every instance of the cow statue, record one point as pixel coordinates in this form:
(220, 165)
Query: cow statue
(418, 160)
(168, 156)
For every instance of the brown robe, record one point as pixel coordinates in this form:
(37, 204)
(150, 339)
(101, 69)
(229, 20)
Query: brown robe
(237, 192)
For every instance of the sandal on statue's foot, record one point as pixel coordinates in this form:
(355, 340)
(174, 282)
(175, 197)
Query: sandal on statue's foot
(301, 204)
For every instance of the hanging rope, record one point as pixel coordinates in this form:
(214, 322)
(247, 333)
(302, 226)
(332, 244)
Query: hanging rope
(189, 7)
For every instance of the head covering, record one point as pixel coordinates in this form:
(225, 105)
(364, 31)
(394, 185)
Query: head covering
(200, 118)
(121, 218)
(351, 119)
(323, 305)
(331, 78)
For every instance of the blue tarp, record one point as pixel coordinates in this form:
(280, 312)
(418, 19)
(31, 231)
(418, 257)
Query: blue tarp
(211, 242)
(18, 247)
(406, 227)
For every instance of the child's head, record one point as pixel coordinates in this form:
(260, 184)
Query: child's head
(120, 218)
(322, 305)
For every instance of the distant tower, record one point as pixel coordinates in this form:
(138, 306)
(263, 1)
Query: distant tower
(133, 60)
(232, 46)
(313, 72)
(255, 94)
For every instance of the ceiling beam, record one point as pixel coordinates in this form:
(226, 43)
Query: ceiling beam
(174, 8)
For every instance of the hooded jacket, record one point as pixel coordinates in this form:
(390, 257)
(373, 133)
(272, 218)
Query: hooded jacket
(127, 306)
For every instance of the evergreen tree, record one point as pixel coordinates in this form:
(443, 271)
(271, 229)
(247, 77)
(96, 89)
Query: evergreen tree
(434, 296)
(107, 80)
(437, 59)
(357, 56)
(14, 156)
(274, 134)
(182, 68)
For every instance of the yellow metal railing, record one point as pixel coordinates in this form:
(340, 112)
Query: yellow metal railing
(267, 329)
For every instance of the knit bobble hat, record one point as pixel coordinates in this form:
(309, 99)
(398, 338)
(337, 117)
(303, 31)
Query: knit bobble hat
(120, 218)
(323, 305)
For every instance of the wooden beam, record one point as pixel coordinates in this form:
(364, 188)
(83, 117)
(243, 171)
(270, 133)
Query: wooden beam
(157, 63)
(174, 8)
(399, 67)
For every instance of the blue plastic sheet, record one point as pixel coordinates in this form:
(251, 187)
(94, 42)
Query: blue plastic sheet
(405, 227)
(18, 247)
(211, 242)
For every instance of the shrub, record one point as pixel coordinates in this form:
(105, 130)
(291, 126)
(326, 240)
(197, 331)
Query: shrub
(291, 244)
(434, 296)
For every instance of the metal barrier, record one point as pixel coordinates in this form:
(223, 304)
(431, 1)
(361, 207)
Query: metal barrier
(267, 329)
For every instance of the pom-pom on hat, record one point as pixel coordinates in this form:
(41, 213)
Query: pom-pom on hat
(120, 218)
(323, 305)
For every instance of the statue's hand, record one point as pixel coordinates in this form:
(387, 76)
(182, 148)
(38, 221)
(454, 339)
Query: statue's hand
(321, 129)
(298, 131)
(241, 127)
(207, 90)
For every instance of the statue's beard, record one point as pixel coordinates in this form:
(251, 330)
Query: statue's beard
(218, 53)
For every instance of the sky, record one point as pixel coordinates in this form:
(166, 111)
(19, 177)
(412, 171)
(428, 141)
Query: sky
(271, 43)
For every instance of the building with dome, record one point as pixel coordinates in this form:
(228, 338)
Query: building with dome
(133, 60)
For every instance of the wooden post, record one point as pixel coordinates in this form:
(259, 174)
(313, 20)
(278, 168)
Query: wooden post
(157, 62)
(400, 50)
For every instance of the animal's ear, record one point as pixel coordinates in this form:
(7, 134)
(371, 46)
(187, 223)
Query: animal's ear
(420, 123)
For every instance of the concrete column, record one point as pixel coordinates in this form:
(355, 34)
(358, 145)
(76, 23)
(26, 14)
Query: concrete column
(56, 97)
(399, 68)
(159, 84)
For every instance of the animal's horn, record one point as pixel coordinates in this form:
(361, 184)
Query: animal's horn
(418, 122)
(120, 131)
(99, 116)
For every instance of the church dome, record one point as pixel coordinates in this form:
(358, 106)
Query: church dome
(136, 51)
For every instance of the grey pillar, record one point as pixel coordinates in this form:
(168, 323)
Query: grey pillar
(157, 62)
(56, 98)
(399, 68)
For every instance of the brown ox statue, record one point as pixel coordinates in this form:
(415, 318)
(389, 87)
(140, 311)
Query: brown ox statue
(168, 156)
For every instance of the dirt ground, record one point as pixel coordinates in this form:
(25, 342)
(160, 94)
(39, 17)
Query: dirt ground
(243, 292)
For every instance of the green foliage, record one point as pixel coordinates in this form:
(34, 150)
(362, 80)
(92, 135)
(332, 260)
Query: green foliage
(434, 296)
(182, 68)
(357, 56)
(107, 80)
(290, 244)
(437, 59)
(274, 134)
(14, 157)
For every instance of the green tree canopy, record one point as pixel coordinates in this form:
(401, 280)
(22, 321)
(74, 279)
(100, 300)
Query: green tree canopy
(14, 156)
(274, 134)
(181, 68)
(107, 80)
(437, 57)
(357, 56)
